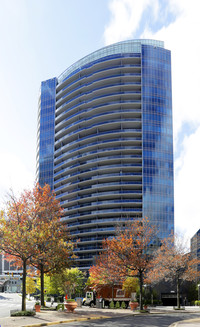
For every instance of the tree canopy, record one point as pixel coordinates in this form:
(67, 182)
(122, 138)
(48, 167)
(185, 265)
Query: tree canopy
(70, 282)
(54, 248)
(172, 262)
(31, 232)
(17, 236)
(127, 254)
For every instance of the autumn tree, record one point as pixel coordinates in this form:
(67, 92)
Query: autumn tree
(130, 250)
(172, 262)
(16, 231)
(31, 232)
(53, 248)
(104, 272)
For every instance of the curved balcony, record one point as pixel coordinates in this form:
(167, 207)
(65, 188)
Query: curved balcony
(83, 110)
(98, 150)
(100, 85)
(96, 67)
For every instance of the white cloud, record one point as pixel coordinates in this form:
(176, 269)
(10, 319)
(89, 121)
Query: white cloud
(187, 186)
(125, 19)
(181, 36)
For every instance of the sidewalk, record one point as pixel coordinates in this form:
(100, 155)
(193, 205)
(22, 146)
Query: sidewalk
(182, 323)
(46, 318)
(187, 323)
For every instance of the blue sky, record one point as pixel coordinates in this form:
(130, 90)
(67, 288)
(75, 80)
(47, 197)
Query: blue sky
(39, 39)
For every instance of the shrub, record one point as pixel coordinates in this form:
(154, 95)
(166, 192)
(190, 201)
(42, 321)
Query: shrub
(22, 313)
(197, 302)
(117, 306)
(123, 305)
(60, 306)
(111, 305)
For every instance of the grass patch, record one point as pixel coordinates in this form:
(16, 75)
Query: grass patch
(22, 313)
(181, 308)
(48, 308)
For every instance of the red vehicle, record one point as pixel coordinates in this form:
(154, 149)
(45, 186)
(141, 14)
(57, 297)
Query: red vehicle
(106, 294)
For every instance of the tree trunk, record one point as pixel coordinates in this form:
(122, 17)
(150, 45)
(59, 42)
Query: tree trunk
(178, 293)
(24, 286)
(141, 286)
(112, 292)
(42, 284)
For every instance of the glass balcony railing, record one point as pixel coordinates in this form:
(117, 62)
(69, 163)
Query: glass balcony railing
(83, 102)
(98, 134)
(120, 138)
(101, 203)
(117, 72)
(102, 87)
(104, 114)
(122, 211)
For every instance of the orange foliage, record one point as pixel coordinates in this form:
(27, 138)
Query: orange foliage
(171, 262)
(126, 255)
(129, 250)
(53, 247)
(31, 232)
(104, 272)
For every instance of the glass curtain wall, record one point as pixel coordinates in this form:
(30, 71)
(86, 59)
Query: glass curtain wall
(158, 183)
(46, 129)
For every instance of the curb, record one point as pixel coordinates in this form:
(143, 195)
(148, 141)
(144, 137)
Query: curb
(76, 319)
(176, 324)
(188, 321)
(65, 321)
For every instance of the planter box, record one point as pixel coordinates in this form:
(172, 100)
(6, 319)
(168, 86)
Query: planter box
(71, 306)
(37, 307)
(133, 305)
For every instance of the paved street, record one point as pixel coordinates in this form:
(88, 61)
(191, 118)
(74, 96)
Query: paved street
(11, 301)
(157, 320)
(159, 317)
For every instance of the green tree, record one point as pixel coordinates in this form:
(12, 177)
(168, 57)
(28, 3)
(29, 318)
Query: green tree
(47, 284)
(130, 284)
(70, 282)
(30, 285)
(51, 284)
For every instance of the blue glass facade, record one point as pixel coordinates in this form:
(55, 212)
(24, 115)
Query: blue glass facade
(158, 180)
(195, 251)
(46, 132)
(106, 143)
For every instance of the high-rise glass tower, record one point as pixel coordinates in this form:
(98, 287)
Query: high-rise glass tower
(105, 142)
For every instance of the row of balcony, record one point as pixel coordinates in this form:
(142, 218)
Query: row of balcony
(94, 144)
(111, 64)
